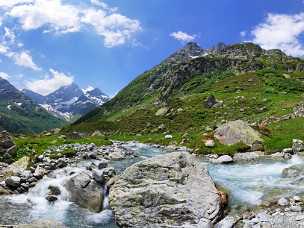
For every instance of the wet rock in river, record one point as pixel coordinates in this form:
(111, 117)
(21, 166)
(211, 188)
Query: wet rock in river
(293, 171)
(13, 182)
(85, 191)
(224, 159)
(248, 156)
(54, 190)
(168, 190)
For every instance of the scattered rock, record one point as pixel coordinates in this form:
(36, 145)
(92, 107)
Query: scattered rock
(168, 137)
(97, 134)
(296, 208)
(13, 182)
(297, 145)
(210, 143)
(210, 102)
(7, 147)
(162, 111)
(224, 159)
(166, 191)
(51, 198)
(257, 146)
(283, 202)
(296, 199)
(227, 222)
(54, 190)
(287, 151)
(235, 132)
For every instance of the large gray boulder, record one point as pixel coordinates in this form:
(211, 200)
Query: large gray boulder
(237, 132)
(7, 147)
(166, 191)
(85, 191)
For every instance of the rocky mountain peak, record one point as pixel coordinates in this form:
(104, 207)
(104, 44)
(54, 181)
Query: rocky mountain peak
(70, 102)
(190, 51)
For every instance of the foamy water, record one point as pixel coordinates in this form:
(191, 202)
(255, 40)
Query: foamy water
(253, 182)
(26, 208)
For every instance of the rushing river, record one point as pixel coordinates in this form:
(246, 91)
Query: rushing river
(247, 183)
(32, 206)
(252, 183)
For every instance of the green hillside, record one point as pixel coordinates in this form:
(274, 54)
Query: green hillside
(19, 114)
(248, 82)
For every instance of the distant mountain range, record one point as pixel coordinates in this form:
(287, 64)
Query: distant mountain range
(20, 114)
(69, 102)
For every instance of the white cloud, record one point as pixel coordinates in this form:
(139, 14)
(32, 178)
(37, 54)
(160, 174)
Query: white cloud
(3, 49)
(182, 36)
(60, 17)
(50, 83)
(56, 16)
(115, 28)
(24, 59)
(281, 31)
(103, 5)
(11, 3)
(4, 75)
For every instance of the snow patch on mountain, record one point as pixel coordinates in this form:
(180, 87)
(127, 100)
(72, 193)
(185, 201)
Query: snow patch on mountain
(70, 101)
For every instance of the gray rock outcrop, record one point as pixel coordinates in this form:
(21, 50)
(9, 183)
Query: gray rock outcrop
(166, 191)
(85, 192)
(7, 147)
(237, 132)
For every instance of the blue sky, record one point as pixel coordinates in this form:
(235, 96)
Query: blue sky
(45, 44)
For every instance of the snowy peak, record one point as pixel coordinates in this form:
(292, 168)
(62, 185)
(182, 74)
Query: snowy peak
(70, 102)
(65, 94)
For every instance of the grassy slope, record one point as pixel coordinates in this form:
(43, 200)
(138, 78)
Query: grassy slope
(268, 88)
(250, 96)
(28, 119)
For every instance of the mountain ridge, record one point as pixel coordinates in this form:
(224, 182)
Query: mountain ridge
(247, 82)
(19, 114)
(69, 102)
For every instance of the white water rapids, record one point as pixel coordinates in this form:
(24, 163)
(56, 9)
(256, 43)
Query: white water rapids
(248, 184)
(253, 182)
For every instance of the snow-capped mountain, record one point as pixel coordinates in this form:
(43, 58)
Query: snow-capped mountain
(20, 114)
(70, 102)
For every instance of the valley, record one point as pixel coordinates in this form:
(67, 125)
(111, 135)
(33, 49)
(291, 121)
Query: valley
(207, 138)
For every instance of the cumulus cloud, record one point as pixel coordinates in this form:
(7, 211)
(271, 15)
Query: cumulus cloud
(60, 17)
(182, 36)
(24, 59)
(115, 28)
(281, 31)
(50, 83)
(4, 75)
(56, 16)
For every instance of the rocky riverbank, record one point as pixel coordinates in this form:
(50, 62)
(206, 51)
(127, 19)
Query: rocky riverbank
(143, 188)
